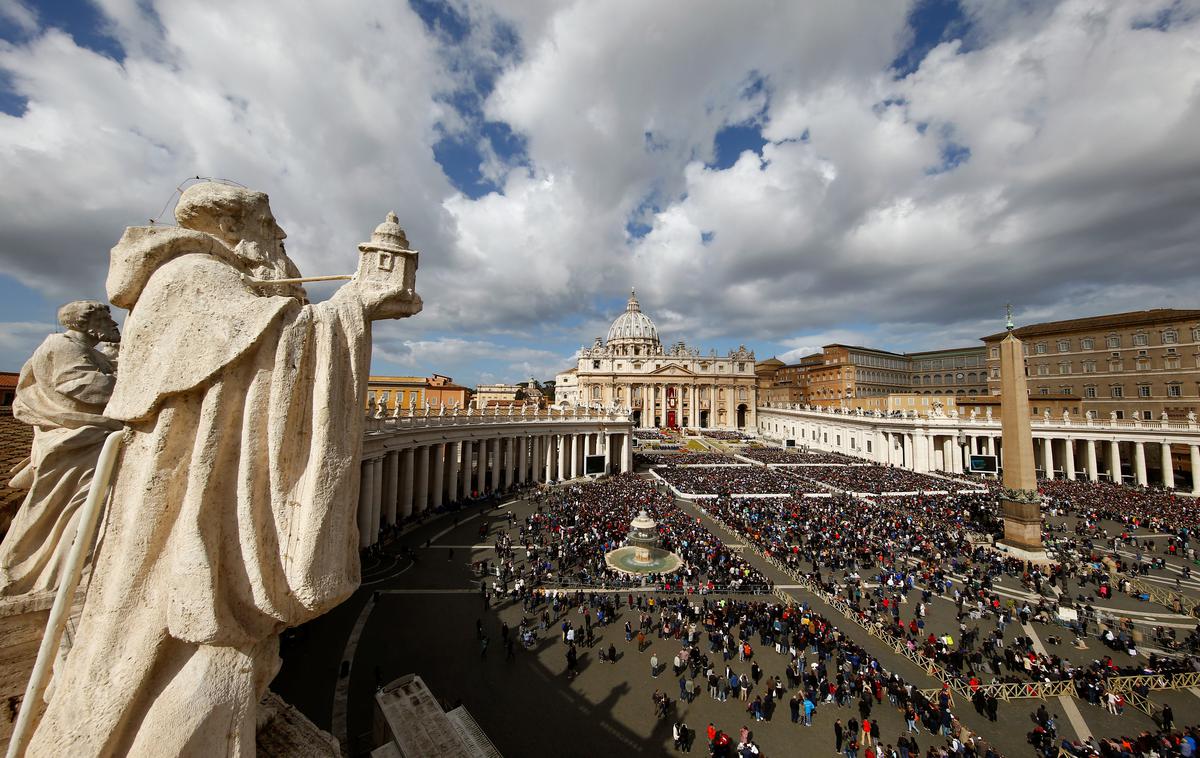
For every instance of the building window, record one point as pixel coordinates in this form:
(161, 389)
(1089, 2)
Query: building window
(1064, 346)
(1040, 348)
(741, 367)
(1174, 390)
(995, 372)
(1196, 334)
(1115, 366)
(1087, 343)
(1120, 415)
(1043, 390)
(1043, 369)
(1064, 368)
(995, 353)
(1116, 391)
(1089, 367)
(595, 365)
(1170, 337)
(1143, 364)
(595, 391)
(1140, 340)
(1113, 341)
(1089, 391)
(1143, 390)
(1171, 361)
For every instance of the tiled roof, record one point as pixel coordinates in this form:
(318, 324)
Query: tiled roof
(15, 441)
(1110, 321)
(8, 379)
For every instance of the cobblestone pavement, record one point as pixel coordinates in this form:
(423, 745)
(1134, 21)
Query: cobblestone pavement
(421, 617)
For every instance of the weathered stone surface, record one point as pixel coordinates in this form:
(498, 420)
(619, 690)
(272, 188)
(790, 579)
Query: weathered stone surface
(284, 732)
(232, 515)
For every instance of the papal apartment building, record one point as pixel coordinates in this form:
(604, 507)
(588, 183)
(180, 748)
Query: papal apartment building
(1137, 365)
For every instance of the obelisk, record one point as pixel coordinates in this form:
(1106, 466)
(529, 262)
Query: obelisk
(1022, 512)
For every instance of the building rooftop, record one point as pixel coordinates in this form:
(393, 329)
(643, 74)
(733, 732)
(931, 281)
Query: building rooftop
(1110, 321)
(15, 440)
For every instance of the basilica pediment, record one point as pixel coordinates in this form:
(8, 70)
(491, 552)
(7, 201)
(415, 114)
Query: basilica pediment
(672, 369)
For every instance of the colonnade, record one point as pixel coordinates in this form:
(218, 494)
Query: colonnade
(1143, 453)
(409, 471)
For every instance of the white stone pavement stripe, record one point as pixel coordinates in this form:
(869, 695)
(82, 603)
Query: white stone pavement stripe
(451, 528)
(1069, 706)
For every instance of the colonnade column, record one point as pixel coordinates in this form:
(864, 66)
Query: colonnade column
(1048, 457)
(626, 453)
(1069, 458)
(1139, 464)
(574, 456)
(421, 480)
(1195, 456)
(438, 452)
(561, 442)
(365, 481)
(376, 497)
(1114, 461)
(522, 459)
(1093, 475)
(453, 450)
(548, 457)
(391, 483)
(406, 482)
(991, 445)
(909, 463)
(481, 468)
(510, 461)
(468, 456)
(1168, 467)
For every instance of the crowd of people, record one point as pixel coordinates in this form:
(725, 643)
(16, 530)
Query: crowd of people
(719, 480)
(876, 479)
(793, 455)
(688, 458)
(722, 434)
(573, 528)
(1136, 507)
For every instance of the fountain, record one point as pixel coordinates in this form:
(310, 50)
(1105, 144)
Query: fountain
(643, 555)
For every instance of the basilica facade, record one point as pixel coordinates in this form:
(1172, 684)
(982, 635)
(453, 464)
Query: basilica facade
(675, 387)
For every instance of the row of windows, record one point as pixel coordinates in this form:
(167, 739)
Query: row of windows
(960, 377)
(1111, 342)
(1118, 391)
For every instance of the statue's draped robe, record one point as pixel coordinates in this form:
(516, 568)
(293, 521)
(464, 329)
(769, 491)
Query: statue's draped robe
(233, 509)
(61, 392)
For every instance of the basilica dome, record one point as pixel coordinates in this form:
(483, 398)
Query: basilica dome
(632, 325)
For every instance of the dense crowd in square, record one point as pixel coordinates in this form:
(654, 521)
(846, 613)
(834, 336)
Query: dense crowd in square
(791, 455)
(685, 458)
(751, 480)
(876, 479)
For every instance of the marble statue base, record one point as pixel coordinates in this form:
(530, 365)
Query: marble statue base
(1022, 525)
(22, 623)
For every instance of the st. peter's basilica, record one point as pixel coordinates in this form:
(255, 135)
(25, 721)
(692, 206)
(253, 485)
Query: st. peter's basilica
(675, 387)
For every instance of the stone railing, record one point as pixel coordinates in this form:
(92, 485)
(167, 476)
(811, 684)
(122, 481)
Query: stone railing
(1043, 421)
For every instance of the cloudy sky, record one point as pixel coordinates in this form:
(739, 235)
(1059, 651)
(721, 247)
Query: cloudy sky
(779, 174)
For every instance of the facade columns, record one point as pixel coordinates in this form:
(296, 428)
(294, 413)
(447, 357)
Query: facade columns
(1093, 475)
(1069, 457)
(1139, 464)
(991, 445)
(421, 480)
(1114, 461)
(376, 497)
(1168, 467)
(574, 456)
(1048, 456)
(391, 483)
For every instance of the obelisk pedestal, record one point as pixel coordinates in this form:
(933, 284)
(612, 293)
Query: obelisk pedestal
(1022, 511)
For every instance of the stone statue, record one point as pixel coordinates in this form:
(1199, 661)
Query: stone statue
(1191, 418)
(1066, 416)
(233, 509)
(989, 414)
(1090, 415)
(1112, 416)
(974, 413)
(1165, 417)
(954, 413)
(1046, 415)
(62, 391)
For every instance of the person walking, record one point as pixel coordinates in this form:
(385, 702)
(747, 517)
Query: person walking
(838, 734)
(654, 665)
(794, 706)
